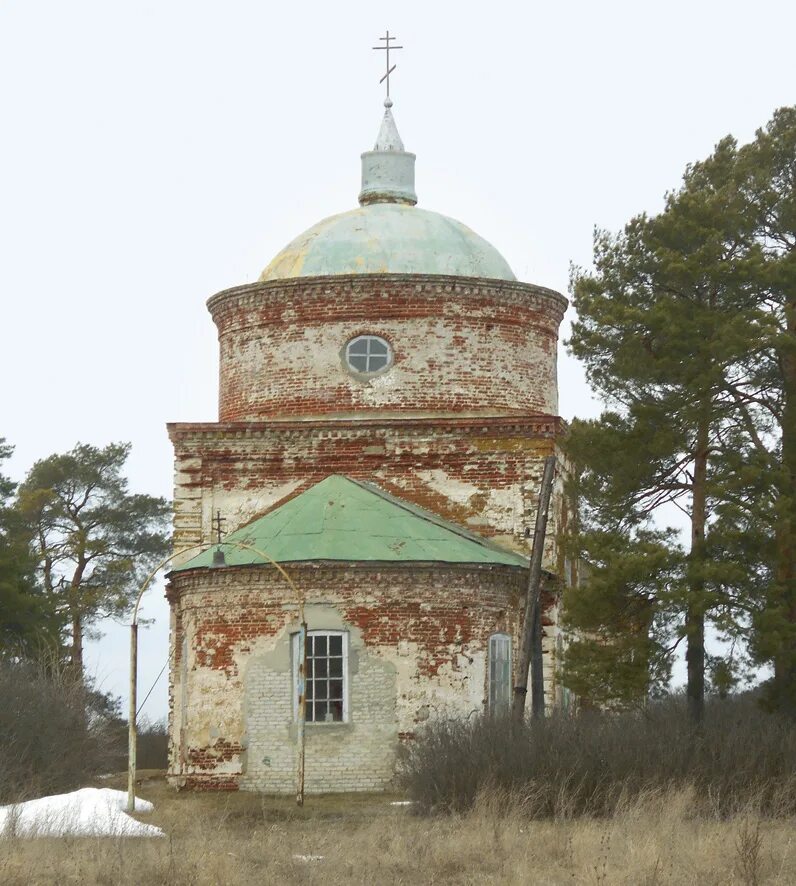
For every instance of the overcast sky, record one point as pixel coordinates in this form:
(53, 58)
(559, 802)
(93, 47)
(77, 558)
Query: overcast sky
(153, 153)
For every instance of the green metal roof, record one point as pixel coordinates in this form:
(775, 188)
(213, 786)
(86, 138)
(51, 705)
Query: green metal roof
(341, 519)
(388, 238)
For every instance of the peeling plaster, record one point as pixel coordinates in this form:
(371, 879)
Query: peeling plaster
(456, 490)
(290, 415)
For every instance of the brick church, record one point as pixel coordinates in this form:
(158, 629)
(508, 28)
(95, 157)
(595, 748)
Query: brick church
(388, 396)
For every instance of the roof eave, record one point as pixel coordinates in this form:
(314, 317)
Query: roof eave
(364, 564)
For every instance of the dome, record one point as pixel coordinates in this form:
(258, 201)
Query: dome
(387, 234)
(388, 238)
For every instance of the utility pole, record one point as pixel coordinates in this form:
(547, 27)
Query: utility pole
(531, 640)
(218, 562)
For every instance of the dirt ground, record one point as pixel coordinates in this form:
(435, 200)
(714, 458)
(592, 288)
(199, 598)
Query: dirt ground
(241, 838)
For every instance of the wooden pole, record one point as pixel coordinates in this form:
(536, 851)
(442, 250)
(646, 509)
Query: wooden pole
(132, 735)
(531, 640)
(537, 661)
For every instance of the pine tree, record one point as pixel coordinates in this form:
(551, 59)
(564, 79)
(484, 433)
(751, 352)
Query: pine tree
(27, 627)
(93, 540)
(766, 176)
(664, 322)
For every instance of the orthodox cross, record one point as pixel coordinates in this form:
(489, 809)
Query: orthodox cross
(218, 520)
(387, 47)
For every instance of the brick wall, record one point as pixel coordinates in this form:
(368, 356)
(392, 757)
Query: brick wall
(460, 346)
(460, 425)
(418, 640)
(483, 474)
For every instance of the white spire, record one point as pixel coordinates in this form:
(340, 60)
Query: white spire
(388, 138)
(388, 171)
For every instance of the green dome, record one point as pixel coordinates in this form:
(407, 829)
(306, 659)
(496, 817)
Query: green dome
(388, 234)
(388, 238)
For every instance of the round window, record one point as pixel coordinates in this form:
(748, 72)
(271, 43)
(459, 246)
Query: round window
(368, 353)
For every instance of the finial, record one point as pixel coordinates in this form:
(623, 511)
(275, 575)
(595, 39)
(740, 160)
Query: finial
(388, 171)
(388, 138)
(218, 522)
(218, 555)
(387, 48)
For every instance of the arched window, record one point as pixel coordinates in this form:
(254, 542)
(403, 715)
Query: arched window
(499, 673)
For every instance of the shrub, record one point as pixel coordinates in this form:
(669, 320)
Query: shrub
(55, 733)
(592, 763)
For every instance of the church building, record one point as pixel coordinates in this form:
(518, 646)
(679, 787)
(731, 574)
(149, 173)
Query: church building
(388, 396)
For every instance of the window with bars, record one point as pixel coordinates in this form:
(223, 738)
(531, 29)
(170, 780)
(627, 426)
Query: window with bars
(368, 353)
(326, 686)
(499, 673)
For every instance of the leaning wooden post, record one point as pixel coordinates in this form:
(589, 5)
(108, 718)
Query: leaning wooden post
(531, 639)
(537, 660)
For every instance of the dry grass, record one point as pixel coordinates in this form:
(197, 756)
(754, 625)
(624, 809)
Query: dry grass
(237, 839)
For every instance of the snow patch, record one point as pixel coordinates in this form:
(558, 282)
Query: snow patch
(89, 812)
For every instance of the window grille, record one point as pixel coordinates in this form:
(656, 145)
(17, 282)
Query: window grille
(326, 678)
(368, 353)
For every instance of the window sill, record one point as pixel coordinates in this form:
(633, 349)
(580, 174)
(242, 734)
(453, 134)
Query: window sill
(321, 724)
(310, 726)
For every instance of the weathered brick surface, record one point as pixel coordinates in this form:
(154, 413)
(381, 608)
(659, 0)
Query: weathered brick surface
(461, 425)
(417, 649)
(461, 346)
(481, 473)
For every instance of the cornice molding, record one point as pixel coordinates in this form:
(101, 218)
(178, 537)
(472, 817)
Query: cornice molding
(538, 425)
(432, 284)
(259, 575)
